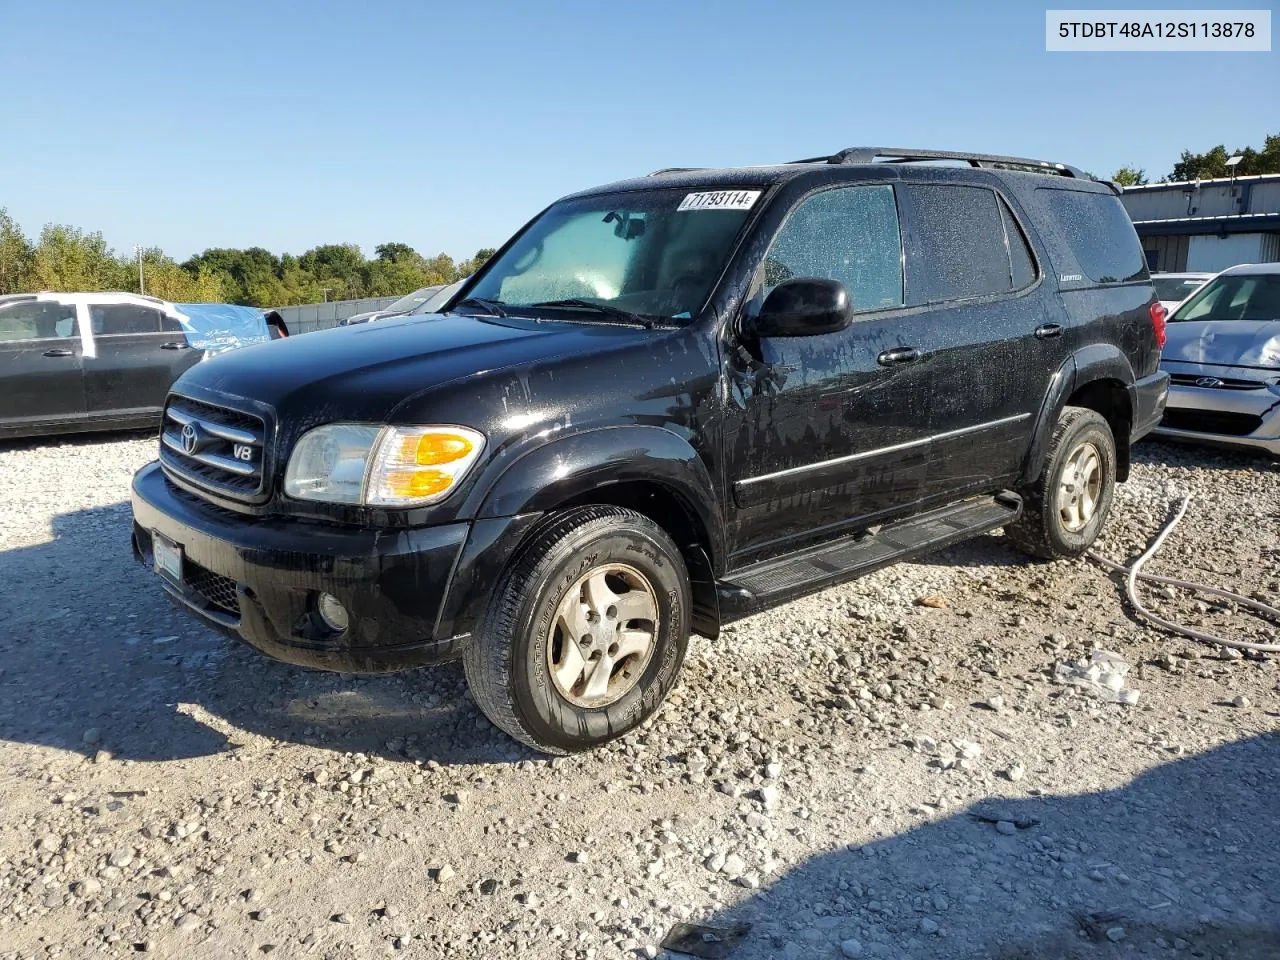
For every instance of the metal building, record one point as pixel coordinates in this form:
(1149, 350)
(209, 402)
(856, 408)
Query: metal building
(1207, 224)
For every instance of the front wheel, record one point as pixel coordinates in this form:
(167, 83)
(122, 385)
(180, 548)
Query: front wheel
(586, 632)
(1064, 510)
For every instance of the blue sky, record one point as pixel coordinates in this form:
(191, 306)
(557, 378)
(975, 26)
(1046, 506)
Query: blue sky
(447, 125)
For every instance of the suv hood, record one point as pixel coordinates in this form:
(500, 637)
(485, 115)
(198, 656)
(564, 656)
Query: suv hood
(1229, 343)
(364, 372)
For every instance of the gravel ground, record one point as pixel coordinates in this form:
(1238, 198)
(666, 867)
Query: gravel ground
(855, 774)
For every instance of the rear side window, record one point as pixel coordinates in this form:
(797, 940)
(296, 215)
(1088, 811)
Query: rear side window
(957, 248)
(1099, 233)
(111, 318)
(36, 320)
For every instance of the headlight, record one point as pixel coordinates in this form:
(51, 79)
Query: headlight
(380, 466)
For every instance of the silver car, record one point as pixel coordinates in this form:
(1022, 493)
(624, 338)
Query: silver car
(409, 303)
(426, 300)
(1223, 359)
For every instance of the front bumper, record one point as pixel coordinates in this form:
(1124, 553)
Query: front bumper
(1219, 416)
(259, 578)
(1147, 398)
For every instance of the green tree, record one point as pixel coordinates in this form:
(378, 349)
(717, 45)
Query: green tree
(467, 267)
(15, 255)
(254, 268)
(1129, 176)
(1213, 162)
(340, 267)
(397, 253)
(68, 259)
(387, 278)
(440, 269)
(166, 279)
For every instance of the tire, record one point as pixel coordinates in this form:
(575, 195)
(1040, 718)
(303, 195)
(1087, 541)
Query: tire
(1050, 527)
(523, 659)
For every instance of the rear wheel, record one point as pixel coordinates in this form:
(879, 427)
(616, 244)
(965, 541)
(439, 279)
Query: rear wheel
(1064, 510)
(586, 632)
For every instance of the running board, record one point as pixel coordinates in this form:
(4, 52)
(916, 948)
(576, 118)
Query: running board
(771, 582)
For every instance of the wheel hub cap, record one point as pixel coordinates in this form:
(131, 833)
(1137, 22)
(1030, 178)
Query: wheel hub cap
(1080, 487)
(603, 635)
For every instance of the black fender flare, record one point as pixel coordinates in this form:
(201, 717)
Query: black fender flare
(1102, 361)
(1061, 385)
(569, 469)
(1090, 364)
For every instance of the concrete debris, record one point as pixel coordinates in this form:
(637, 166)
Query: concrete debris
(1102, 675)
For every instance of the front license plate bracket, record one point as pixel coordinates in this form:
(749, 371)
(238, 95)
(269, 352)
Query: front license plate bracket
(168, 558)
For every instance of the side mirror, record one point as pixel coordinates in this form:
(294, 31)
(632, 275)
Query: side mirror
(803, 307)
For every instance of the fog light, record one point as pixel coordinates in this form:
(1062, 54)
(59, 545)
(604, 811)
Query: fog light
(332, 612)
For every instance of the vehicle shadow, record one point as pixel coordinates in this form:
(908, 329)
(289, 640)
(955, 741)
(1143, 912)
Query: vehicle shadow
(94, 657)
(1183, 861)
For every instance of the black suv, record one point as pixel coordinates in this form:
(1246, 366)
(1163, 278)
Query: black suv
(664, 404)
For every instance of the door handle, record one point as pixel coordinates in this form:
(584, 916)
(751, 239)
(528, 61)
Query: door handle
(175, 345)
(59, 352)
(898, 355)
(1047, 330)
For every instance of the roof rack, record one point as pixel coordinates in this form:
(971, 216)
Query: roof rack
(658, 173)
(983, 160)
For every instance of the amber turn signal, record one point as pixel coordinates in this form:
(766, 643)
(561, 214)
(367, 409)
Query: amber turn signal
(433, 449)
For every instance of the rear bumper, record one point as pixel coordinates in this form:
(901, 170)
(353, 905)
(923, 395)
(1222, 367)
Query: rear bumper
(1147, 398)
(259, 579)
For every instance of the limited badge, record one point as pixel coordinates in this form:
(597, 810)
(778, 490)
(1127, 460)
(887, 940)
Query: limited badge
(720, 200)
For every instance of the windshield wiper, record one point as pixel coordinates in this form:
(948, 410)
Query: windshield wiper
(604, 309)
(493, 306)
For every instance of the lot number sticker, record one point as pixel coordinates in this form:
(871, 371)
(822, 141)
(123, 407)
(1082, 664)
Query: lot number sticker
(720, 200)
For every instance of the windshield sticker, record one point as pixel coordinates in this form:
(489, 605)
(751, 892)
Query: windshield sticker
(720, 200)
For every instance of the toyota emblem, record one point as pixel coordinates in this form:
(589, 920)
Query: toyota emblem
(1208, 382)
(190, 437)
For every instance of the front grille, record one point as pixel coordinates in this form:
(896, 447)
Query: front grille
(1210, 421)
(214, 447)
(1213, 383)
(217, 590)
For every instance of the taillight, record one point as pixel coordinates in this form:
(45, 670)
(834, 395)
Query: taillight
(1158, 315)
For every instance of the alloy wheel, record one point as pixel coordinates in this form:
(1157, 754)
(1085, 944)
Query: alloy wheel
(603, 635)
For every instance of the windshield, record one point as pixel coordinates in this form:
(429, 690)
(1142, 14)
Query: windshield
(410, 300)
(656, 253)
(438, 299)
(1241, 297)
(1175, 288)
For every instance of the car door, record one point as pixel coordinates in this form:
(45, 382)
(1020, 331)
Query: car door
(40, 364)
(137, 360)
(829, 432)
(994, 330)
